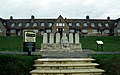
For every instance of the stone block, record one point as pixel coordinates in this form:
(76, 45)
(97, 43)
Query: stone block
(77, 38)
(45, 38)
(51, 39)
(71, 38)
(57, 37)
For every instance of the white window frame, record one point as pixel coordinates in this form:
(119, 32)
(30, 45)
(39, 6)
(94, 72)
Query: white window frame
(42, 24)
(100, 24)
(70, 24)
(84, 31)
(92, 24)
(50, 24)
(13, 24)
(27, 24)
(19, 24)
(107, 31)
(77, 24)
(48, 30)
(118, 30)
(94, 31)
(72, 30)
(35, 24)
(13, 31)
(1, 30)
(85, 24)
(106, 24)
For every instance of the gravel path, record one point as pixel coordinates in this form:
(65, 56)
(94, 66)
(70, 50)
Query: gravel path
(61, 54)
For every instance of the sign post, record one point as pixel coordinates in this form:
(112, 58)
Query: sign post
(29, 41)
(100, 43)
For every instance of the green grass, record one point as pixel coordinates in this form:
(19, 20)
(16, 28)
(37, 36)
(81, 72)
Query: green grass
(111, 43)
(110, 63)
(15, 43)
(16, 64)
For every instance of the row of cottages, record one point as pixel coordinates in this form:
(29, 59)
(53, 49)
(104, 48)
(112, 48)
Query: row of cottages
(88, 27)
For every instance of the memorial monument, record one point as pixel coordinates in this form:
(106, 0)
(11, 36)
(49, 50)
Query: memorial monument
(61, 42)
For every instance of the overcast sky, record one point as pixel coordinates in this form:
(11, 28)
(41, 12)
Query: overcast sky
(96, 9)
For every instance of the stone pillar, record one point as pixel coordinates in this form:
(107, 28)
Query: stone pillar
(57, 37)
(77, 38)
(51, 40)
(71, 38)
(45, 38)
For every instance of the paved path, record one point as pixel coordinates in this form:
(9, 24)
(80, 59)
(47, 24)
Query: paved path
(61, 54)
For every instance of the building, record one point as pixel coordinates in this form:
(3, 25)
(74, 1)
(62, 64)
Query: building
(87, 26)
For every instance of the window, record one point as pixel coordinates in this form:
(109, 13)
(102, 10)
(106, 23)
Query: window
(70, 24)
(60, 24)
(13, 24)
(72, 30)
(48, 30)
(20, 24)
(77, 24)
(27, 24)
(99, 24)
(13, 31)
(84, 31)
(106, 24)
(85, 24)
(42, 24)
(1, 30)
(94, 31)
(35, 30)
(49, 24)
(34, 24)
(118, 30)
(92, 25)
(106, 31)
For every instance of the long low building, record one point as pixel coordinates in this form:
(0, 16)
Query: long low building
(86, 27)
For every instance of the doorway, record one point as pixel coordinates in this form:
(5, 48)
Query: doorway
(60, 30)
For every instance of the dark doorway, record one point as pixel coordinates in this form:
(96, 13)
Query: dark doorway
(60, 30)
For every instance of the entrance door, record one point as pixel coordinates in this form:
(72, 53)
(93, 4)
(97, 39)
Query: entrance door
(60, 30)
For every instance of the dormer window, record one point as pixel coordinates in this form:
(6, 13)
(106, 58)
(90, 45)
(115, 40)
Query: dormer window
(34, 24)
(27, 24)
(99, 24)
(49, 24)
(85, 24)
(106, 24)
(20, 24)
(77, 24)
(92, 25)
(13, 24)
(70, 24)
(42, 24)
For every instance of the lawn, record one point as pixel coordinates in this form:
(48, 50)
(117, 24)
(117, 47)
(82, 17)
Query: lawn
(15, 43)
(110, 63)
(111, 43)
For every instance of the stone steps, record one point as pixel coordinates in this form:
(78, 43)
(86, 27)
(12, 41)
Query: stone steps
(66, 66)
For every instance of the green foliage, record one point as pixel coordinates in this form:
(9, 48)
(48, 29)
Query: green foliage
(16, 64)
(110, 63)
(111, 43)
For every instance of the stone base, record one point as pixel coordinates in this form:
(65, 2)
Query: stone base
(71, 47)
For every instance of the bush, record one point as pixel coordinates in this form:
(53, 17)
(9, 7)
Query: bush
(16, 64)
(110, 63)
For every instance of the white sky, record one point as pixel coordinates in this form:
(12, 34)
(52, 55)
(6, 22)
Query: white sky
(96, 9)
